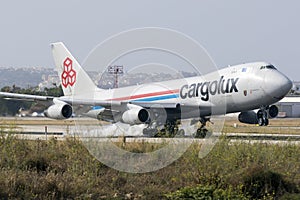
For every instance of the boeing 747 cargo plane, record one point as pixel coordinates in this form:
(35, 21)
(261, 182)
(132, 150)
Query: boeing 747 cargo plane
(241, 88)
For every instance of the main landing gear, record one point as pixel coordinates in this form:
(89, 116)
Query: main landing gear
(169, 129)
(172, 129)
(262, 116)
(202, 130)
(151, 130)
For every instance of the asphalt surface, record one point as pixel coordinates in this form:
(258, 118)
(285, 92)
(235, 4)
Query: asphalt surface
(43, 129)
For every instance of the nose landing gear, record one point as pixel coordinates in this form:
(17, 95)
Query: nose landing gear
(262, 116)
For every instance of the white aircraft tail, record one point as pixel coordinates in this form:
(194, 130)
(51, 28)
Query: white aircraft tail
(73, 78)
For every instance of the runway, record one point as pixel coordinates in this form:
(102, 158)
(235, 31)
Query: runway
(44, 129)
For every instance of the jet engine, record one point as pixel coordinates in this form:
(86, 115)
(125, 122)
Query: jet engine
(135, 115)
(252, 117)
(248, 117)
(273, 111)
(59, 111)
(94, 112)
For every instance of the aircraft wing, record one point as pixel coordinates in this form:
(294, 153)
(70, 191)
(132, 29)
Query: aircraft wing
(77, 101)
(93, 102)
(28, 97)
(109, 103)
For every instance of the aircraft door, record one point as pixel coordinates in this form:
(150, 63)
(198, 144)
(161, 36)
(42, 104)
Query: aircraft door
(245, 86)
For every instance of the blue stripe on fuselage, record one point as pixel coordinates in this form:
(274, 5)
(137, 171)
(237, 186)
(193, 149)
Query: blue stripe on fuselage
(171, 96)
(96, 107)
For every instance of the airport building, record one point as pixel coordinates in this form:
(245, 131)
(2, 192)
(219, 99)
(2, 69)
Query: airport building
(289, 107)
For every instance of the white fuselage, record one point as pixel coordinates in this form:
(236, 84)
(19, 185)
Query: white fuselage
(232, 89)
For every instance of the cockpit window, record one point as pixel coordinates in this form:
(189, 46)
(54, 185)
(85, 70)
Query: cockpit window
(268, 67)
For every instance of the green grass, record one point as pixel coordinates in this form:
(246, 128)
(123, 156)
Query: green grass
(65, 170)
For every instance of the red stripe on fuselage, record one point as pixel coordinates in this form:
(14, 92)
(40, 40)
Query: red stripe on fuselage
(145, 95)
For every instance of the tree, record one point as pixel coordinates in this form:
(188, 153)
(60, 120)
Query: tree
(12, 107)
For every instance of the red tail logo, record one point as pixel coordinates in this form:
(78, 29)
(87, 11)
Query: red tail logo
(68, 76)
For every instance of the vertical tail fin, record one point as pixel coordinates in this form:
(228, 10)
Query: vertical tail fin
(73, 78)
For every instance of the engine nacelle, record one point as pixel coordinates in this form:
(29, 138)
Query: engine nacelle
(135, 116)
(59, 111)
(251, 117)
(95, 112)
(273, 111)
(248, 117)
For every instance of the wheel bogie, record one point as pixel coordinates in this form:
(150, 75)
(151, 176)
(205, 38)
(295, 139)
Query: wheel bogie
(201, 133)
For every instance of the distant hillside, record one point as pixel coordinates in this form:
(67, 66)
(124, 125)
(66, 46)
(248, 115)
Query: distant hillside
(45, 77)
(23, 77)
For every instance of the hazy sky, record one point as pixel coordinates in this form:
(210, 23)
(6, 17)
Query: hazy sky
(232, 31)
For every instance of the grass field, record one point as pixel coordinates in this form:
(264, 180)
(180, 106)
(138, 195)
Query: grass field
(65, 170)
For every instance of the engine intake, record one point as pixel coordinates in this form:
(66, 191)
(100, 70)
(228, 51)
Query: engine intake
(59, 111)
(273, 111)
(135, 116)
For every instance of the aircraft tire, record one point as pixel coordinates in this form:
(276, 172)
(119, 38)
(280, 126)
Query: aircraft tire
(266, 122)
(149, 132)
(145, 131)
(261, 121)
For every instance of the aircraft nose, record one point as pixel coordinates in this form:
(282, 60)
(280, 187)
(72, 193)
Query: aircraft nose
(277, 84)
